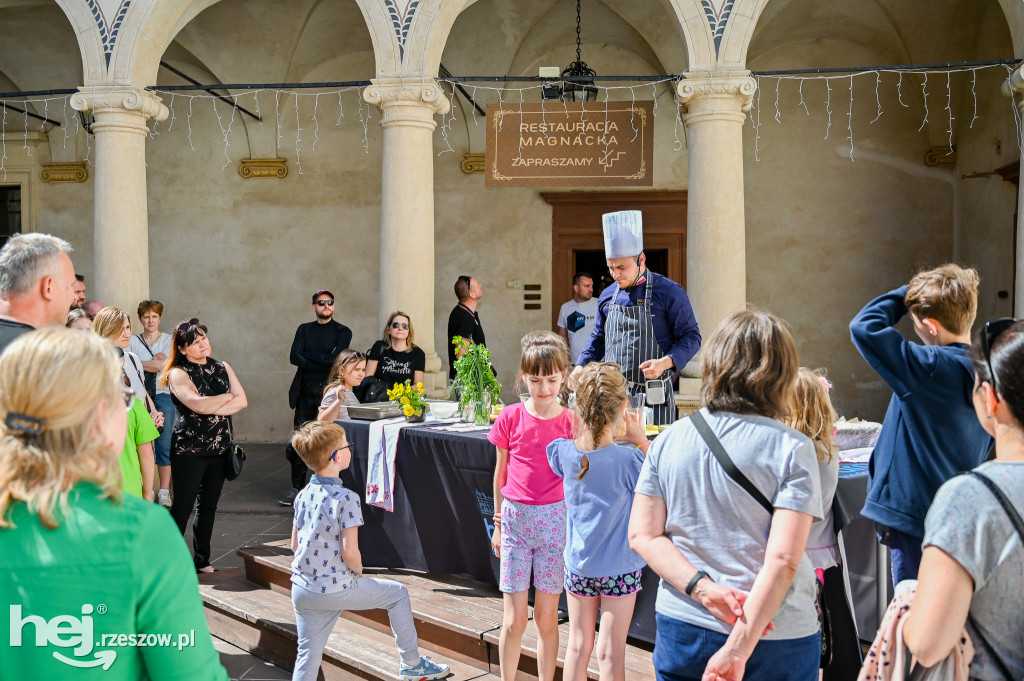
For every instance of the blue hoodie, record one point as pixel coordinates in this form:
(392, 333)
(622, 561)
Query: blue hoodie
(931, 431)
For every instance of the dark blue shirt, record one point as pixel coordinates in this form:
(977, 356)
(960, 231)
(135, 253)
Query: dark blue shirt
(930, 432)
(675, 327)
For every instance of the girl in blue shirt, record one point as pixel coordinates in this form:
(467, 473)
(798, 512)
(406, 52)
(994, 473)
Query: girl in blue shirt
(599, 476)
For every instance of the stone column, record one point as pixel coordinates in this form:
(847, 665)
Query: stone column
(408, 108)
(1014, 87)
(121, 220)
(716, 270)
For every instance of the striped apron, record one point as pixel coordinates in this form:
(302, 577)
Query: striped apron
(629, 342)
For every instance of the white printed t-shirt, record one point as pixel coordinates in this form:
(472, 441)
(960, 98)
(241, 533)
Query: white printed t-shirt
(578, 319)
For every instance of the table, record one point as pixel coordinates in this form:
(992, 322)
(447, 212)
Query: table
(444, 502)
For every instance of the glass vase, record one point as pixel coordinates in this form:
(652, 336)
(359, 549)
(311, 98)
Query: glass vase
(478, 411)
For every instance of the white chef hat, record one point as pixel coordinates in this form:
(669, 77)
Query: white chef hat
(623, 233)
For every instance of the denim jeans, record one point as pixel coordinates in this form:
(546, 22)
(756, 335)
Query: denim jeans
(162, 445)
(904, 550)
(682, 651)
(316, 613)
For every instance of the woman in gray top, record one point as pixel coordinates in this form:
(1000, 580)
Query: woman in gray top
(737, 591)
(972, 568)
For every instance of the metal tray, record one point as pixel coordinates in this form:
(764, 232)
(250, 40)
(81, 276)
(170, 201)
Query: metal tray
(374, 412)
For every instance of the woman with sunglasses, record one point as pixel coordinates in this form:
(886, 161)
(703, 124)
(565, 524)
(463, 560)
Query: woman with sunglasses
(395, 358)
(972, 567)
(72, 547)
(205, 392)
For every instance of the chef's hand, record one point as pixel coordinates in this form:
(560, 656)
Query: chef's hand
(653, 368)
(574, 375)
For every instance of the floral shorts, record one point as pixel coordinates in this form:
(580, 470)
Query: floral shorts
(532, 537)
(615, 586)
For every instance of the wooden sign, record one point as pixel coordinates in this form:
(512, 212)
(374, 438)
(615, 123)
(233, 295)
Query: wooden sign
(551, 144)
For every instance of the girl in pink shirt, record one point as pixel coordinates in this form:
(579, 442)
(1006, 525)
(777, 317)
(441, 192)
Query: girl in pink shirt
(529, 525)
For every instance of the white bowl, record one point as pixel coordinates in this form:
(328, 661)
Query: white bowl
(444, 409)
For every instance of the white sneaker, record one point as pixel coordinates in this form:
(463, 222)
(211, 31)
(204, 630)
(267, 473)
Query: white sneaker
(163, 497)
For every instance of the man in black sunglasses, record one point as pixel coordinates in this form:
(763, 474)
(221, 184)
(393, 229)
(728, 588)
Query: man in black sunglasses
(314, 350)
(931, 431)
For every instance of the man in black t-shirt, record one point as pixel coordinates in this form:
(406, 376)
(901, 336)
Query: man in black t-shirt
(315, 347)
(36, 284)
(464, 320)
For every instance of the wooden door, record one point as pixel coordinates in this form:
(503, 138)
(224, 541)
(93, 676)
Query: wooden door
(576, 230)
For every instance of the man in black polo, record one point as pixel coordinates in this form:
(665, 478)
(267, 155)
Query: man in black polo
(314, 350)
(464, 320)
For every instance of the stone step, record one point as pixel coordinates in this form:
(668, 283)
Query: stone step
(262, 622)
(457, 617)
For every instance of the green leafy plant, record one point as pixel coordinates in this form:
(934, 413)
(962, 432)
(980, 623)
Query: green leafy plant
(473, 374)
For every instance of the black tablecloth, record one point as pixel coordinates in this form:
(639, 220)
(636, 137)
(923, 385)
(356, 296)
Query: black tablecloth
(443, 503)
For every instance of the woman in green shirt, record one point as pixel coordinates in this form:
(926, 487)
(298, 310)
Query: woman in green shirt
(94, 585)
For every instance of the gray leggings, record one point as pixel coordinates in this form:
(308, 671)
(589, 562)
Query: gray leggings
(316, 613)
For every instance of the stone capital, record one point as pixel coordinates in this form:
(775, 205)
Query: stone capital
(712, 96)
(1013, 86)
(407, 101)
(119, 107)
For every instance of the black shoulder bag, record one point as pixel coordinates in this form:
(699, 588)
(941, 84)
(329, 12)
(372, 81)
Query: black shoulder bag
(235, 457)
(715, 445)
(149, 377)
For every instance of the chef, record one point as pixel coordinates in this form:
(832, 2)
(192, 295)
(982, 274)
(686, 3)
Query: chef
(644, 320)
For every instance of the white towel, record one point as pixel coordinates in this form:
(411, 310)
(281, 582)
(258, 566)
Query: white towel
(380, 467)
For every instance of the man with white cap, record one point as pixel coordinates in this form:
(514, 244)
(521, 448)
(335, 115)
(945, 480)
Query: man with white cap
(644, 320)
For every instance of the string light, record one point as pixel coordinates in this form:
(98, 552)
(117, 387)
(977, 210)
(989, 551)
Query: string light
(850, 120)
(828, 106)
(924, 92)
(878, 97)
(502, 93)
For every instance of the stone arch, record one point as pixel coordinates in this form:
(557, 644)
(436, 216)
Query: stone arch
(82, 15)
(1013, 10)
(699, 22)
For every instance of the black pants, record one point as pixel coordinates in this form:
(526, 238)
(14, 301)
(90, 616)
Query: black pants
(846, 651)
(309, 407)
(195, 477)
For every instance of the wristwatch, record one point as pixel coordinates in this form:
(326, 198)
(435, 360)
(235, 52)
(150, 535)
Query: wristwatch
(693, 582)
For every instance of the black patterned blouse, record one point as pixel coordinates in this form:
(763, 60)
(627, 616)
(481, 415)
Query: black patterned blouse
(202, 434)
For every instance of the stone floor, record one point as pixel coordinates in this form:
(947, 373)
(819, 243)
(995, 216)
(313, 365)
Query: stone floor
(248, 512)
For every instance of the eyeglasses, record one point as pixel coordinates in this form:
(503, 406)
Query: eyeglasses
(355, 354)
(129, 397)
(125, 379)
(399, 325)
(989, 333)
(324, 303)
(185, 326)
(334, 454)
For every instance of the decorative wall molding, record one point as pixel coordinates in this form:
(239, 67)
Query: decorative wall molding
(940, 156)
(401, 20)
(473, 163)
(251, 168)
(717, 13)
(57, 173)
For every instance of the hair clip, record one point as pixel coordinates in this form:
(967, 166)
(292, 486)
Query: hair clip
(825, 382)
(23, 423)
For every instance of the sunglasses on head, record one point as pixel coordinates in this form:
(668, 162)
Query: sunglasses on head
(185, 326)
(989, 333)
(129, 397)
(399, 325)
(324, 303)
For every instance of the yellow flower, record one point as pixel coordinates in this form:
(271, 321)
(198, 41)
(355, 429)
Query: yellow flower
(419, 386)
(405, 401)
(408, 410)
(421, 389)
